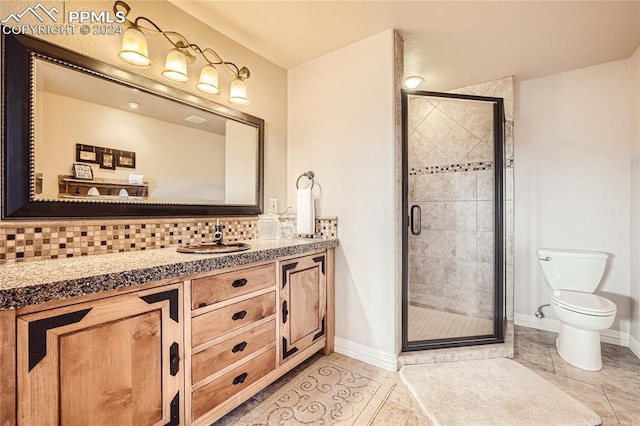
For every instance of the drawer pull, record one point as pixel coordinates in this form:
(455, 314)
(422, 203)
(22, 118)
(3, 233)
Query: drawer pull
(241, 378)
(239, 283)
(202, 305)
(239, 315)
(239, 347)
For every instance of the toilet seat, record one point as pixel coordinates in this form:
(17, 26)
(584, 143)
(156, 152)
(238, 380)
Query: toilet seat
(583, 303)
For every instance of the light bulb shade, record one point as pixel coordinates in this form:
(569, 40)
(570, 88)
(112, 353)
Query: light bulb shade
(413, 81)
(208, 81)
(134, 48)
(175, 67)
(238, 92)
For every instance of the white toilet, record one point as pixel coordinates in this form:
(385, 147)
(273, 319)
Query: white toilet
(574, 275)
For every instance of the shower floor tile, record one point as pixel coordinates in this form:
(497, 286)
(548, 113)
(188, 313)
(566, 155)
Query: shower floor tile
(427, 324)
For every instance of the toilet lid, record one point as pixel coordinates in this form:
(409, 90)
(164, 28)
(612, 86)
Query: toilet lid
(586, 303)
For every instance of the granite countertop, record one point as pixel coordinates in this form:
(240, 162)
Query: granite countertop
(31, 283)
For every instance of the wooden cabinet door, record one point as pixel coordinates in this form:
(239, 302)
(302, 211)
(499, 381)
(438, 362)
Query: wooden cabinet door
(303, 303)
(114, 361)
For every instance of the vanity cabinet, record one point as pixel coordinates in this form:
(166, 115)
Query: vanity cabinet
(249, 326)
(233, 336)
(110, 361)
(183, 351)
(303, 303)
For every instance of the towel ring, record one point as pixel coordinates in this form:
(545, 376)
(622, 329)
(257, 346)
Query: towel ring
(309, 175)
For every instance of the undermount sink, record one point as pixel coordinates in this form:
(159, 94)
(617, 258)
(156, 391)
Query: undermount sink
(213, 248)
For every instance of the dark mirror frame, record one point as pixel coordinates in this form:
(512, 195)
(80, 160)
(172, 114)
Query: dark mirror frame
(18, 53)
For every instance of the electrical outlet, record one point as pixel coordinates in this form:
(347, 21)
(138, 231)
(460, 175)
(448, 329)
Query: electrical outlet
(273, 205)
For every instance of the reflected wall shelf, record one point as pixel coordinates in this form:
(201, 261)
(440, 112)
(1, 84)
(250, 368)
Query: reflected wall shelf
(70, 187)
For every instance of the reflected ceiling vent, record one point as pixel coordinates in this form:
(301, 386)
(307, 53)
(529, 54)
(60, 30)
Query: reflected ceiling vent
(195, 119)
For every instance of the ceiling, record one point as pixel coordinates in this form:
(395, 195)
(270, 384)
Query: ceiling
(451, 43)
(54, 78)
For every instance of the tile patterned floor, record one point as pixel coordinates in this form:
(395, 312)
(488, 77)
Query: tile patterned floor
(613, 392)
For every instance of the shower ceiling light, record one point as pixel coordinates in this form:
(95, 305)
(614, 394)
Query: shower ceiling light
(413, 81)
(183, 53)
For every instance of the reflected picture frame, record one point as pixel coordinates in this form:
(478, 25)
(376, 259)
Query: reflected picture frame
(82, 171)
(86, 154)
(107, 159)
(125, 159)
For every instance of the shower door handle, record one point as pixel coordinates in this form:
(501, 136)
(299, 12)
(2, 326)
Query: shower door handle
(416, 220)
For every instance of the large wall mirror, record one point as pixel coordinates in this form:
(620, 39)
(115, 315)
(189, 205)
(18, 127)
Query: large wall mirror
(84, 139)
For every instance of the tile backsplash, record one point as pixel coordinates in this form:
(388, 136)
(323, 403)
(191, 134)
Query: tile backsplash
(27, 241)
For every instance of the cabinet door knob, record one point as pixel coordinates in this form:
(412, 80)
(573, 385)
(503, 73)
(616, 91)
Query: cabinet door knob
(239, 283)
(239, 347)
(239, 379)
(174, 358)
(239, 315)
(285, 312)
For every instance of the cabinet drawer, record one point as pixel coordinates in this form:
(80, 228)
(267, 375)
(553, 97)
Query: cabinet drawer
(209, 361)
(210, 290)
(216, 323)
(218, 391)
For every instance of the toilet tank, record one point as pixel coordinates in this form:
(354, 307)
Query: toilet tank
(575, 270)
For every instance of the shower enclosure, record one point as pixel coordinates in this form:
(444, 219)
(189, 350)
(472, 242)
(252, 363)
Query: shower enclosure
(453, 220)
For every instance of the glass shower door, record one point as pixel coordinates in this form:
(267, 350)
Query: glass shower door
(453, 245)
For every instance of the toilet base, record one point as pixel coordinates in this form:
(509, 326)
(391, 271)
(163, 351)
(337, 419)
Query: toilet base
(580, 348)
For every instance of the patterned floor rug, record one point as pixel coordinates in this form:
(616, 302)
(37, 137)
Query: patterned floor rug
(492, 392)
(329, 392)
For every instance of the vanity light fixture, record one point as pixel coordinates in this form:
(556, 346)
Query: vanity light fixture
(413, 81)
(208, 81)
(134, 48)
(182, 54)
(238, 92)
(175, 67)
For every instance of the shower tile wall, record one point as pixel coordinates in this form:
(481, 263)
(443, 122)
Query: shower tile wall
(451, 179)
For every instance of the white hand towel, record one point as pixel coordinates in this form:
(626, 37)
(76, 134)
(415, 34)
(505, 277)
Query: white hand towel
(306, 215)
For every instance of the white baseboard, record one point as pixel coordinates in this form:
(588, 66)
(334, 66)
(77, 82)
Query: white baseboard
(531, 321)
(363, 353)
(613, 337)
(634, 345)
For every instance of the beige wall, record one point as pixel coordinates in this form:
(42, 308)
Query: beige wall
(240, 159)
(572, 179)
(267, 87)
(342, 127)
(635, 202)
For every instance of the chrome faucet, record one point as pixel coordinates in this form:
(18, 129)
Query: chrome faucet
(217, 235)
